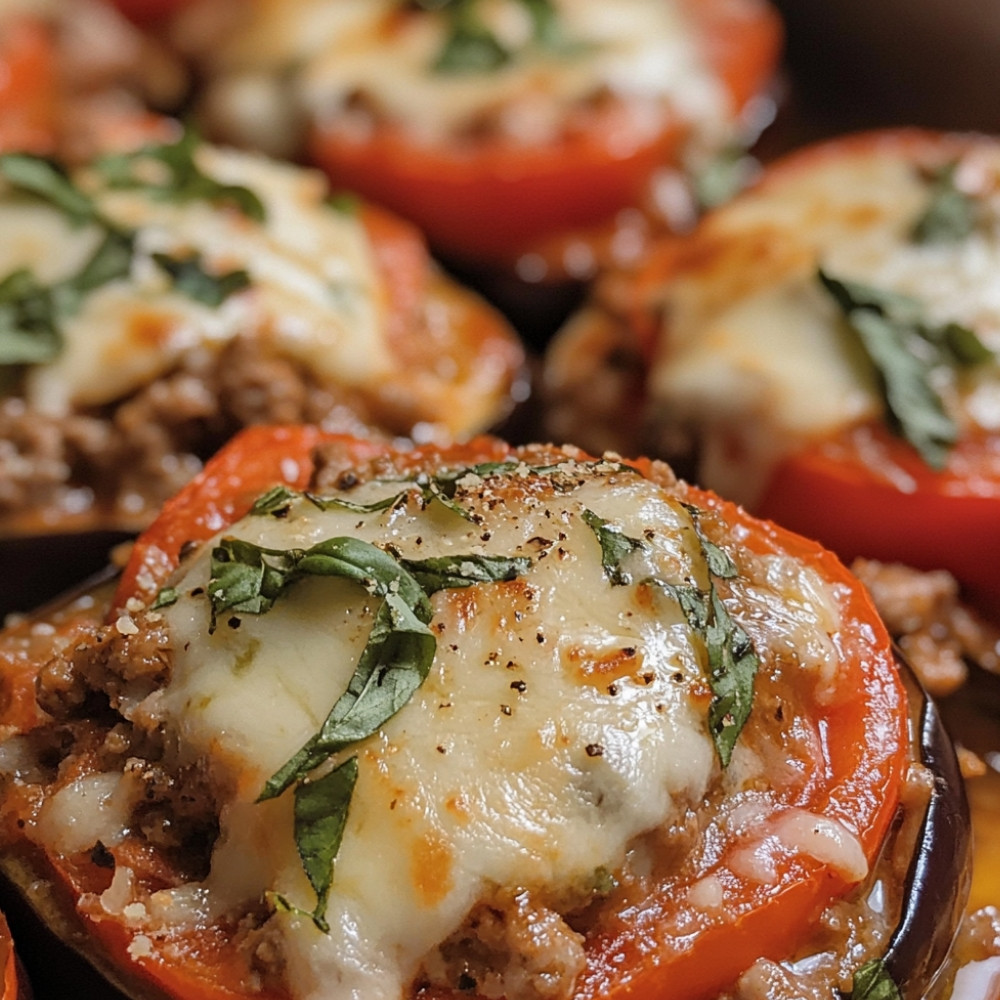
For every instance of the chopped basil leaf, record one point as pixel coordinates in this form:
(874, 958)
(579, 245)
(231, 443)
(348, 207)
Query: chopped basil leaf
(344, 202)
(342, 503)
(951, 214)
(248, 578)
(720, 562)
(47, 179)
(733, 664)
(29, 334)
(546, 23)
(905, 351)
(191, 279)
(615, 546)
(732, 659)
(470, 46)
(186, 180)
(166, 597)
(110, 261)
(394, 663)
(873, 982)
(275, 501)
(321, 806)
(444, 572)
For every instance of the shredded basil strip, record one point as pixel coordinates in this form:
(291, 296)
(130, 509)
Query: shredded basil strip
(453, 572)
(320, 811)
(732, 660)
(873, 982)
(720, 563)
(275, 502)
(471, 47)
(48, 179)
(951, 214)
(191, 279)
(186, 181)
(905, 351)
(30, 311)
(164, 598)
(615, 546)
(29, 333)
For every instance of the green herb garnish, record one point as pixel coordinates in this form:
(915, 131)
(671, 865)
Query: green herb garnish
(191, 279)
(732, 659)
(615, 547)
(905, 351)
(951, 214)
(451, 572)
(397, 656)
(873, 982)
(184, 180)
(48, 179)
(321, 807)
(470, 47)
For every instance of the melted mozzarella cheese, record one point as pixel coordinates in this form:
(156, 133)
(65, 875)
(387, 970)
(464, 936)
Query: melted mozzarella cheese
(485, 777)
(754, 355)
(637, 49)
(562, 717)
(312, 295)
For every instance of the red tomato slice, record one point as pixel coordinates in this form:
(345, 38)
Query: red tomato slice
(490, 199)
(880, 501)
(8, 962)
(661, 944)
(27, 86)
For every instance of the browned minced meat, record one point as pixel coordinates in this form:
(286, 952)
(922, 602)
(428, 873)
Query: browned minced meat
(97, 695)
(510, 945)
(128, 458)
(924, 613)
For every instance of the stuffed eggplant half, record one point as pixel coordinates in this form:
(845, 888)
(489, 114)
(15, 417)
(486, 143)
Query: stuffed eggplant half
(477, 721)
(155, 301)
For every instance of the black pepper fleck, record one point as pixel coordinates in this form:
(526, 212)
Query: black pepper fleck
(518, 686)
(612, 689)
(101, 856)
(234, 622)
(595, 750)
(505, 709)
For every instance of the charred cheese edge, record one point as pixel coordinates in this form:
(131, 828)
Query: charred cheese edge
(313, 293)
(647, 52)
(753, 357)
(489, 775)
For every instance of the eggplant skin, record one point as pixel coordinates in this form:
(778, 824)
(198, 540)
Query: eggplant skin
(53, 945)
(939, 876)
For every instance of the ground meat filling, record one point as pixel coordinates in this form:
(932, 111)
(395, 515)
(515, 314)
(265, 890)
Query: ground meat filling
(100, 698)
(937, 633)
(125, 460)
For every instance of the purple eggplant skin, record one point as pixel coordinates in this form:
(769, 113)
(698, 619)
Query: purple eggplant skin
(939, 876)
